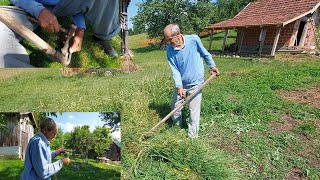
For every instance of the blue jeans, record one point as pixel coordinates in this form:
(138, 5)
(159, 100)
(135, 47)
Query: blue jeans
(102, 14)
(12, 53)
(194, 109)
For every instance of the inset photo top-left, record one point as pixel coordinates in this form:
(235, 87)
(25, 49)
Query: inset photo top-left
(67, 145)
(59, 33)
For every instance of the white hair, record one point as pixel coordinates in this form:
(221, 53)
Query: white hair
(173, 28)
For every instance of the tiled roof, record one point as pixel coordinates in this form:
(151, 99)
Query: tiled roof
(269, 12)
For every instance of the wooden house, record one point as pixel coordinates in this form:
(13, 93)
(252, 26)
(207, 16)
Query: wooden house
(19, 130)
(267, 26)
(113, 152)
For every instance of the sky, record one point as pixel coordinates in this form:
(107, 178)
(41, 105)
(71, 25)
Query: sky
(68, 120)
(133, 10)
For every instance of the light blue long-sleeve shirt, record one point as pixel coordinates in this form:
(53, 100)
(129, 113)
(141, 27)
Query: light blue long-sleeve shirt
(186, 64)
(37, 163)
(34, 7)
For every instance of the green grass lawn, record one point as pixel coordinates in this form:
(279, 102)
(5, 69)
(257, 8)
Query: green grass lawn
(248, 131)
(218, 39)
(240, 111)
(91, 55)
(12, 169)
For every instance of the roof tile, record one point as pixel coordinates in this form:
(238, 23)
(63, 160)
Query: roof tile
(268, 12)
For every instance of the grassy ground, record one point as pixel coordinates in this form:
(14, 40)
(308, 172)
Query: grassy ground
(218, 39)
(248, 129)
(91, 55)
(247, 126)
(12, 169)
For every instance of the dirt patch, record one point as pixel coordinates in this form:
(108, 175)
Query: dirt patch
(77, 71)
(149, 42)
(317, 123)
(296, 174)
(309, 151)
(296, 58)
(231, 146)
(72, 71)
(310, 96)
(8, 73)
(283, 127)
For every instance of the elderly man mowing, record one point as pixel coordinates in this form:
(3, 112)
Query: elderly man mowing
(185, 55)
(37, 164)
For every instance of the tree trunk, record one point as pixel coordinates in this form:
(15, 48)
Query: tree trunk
(86, 157)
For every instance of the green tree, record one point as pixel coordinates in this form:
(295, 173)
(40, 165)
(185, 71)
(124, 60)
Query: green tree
(136, 30)
(229, 8)
(102, 140)
(196, 21)
(4, 117)
(154, 15)
(192, 16)
(58, 141)
(41, 116)
(81, 140)
(111, 119)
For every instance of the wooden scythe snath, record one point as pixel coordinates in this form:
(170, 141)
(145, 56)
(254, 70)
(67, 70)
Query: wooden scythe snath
(55, 55)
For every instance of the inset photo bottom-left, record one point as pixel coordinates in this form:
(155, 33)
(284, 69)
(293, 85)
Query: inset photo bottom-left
(60, 145)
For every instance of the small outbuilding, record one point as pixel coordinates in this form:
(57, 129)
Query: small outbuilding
(113, 152)
(15, 136)
(267, 26)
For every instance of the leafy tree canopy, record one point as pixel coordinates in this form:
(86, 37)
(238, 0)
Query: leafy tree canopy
(230, 8)
(192, 16)
(111, 119)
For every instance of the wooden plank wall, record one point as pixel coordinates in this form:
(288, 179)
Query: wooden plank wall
(12, 137)
(113, 153)
(27, 132)
(26, 126)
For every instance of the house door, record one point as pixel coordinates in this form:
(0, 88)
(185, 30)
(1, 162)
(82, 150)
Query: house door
(300, 31)
(24, 143)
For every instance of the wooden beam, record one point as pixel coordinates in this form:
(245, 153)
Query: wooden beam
(241, 31)
(304, 34)
(224, 39)
(263, 37)
(275, 42)
(211, 38)
(316, 16)
(294, 33)
(20, 135)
